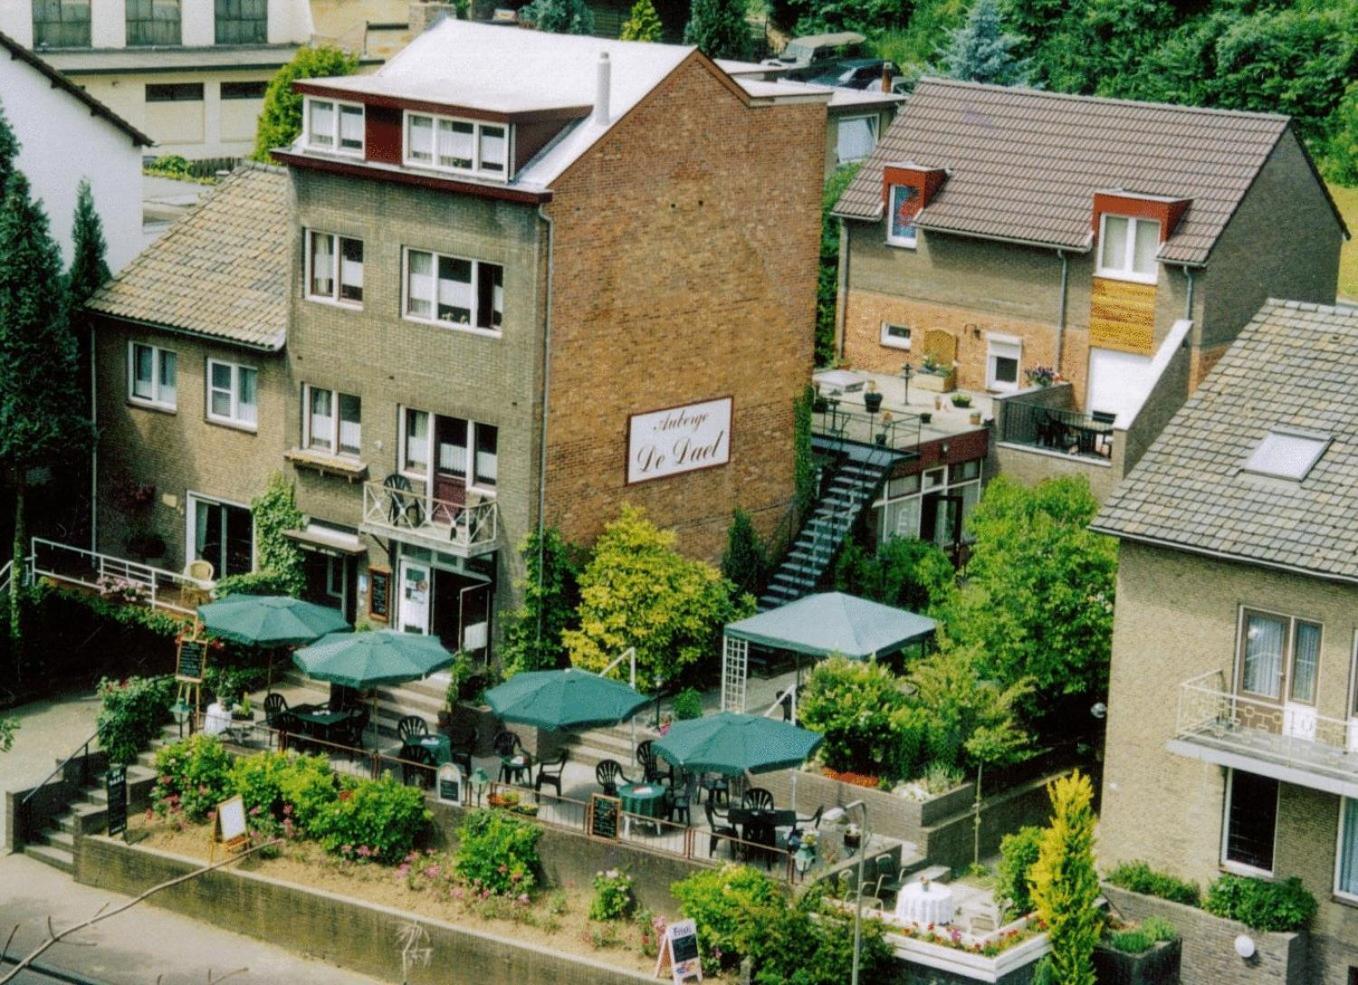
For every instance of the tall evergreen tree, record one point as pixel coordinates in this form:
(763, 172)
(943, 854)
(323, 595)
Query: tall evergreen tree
(41, 422)
(9, 149)
(981, 51)
(719, 29)
(559, 16)
(280, 118)
(643, 23)
(89, 271)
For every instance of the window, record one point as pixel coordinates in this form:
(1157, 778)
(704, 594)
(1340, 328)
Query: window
(222, 534)
(1002, 363)
(486, 463)
(1346, 858)
(151, 375)
(451, 290)
(334, 268)
(1251, 821)
(331, 422)
(242, 21)
(895, 336)
(901, 228)
(244, 90)
(334, 126)
(456, 145)
(231, 396)
(415, 437)
(1287, 454)
(152, 22)
(1127, 248)
(1279, 656)
(933, 505)
(61, 23)
(175, 92)
(855, 137)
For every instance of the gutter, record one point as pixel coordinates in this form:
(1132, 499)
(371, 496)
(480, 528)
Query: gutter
(94, 445)
(1222, 556)
(842, 290)
(268, 348)
(1188, 305)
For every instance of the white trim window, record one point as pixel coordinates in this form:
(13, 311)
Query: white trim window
(334, 268)
(900, 229)
(446, 143)
(1279, 657)
(455, 291)
(1249, 832)
(232, 394)
(1127, 248)
(333, 126)
(903, 512)
(151, 375)
(455, 436)
(417, 439)
(896, 336)
(855, 137)
(331, 422)
(1346, 853)
(1004, 357)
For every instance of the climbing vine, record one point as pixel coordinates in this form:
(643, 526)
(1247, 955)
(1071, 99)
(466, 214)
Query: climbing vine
(275, 513)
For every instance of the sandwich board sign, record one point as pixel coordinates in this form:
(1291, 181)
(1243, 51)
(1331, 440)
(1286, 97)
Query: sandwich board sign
(450, 784)
(229, 826)
(679, 951)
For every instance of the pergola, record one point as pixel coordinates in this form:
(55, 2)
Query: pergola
(818, 626)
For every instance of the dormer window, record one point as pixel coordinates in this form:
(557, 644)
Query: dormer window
(1127, 248)
(451, 144)
(334, 126)
(907, 189)
(904, 206)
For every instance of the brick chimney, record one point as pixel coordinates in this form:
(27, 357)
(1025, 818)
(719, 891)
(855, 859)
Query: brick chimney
(886, 76)
(424, 14)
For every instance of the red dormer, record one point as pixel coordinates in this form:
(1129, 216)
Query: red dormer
(1160, 208)
(906, 189)
(1130, 229)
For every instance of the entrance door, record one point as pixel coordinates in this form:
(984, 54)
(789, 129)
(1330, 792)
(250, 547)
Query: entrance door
(223, 535)
(450, 466)
(415, 587)
(461, 612)
(941, 520)
(330, 581)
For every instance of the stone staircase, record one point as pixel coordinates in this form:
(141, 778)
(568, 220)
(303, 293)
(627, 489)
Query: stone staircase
(423, 698)
(594, 746)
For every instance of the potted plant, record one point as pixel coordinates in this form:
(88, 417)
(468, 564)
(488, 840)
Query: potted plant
(936, 376)
(961, 400)
(872, 400)
(925, 417)
(853, 837)
(1042, 376)
(243, 711)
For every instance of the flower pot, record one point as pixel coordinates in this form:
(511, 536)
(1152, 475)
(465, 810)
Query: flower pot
(926, 417)
(976, 417)
(872, 401)
(881, 438)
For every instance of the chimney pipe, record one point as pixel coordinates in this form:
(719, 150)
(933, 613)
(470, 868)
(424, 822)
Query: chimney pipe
(602, 92)
(886, 76)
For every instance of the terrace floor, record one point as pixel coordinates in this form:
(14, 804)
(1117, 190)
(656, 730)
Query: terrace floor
(946, 420)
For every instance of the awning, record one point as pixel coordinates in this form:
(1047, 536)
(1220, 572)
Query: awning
(328, 540)
(833, 622)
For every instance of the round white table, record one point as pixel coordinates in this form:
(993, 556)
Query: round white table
(925, 903)
(217, 719)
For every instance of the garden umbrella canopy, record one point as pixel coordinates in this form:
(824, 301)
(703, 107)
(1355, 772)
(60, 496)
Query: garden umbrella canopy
(733, 744)
(364, 660)
(564, 699)
(270, 620)
(833, 622)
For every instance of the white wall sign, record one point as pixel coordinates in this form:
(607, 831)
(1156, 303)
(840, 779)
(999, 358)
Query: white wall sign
(680, 439)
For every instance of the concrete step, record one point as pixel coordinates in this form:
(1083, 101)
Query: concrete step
(58, 839)
(68, 821)
(52, 855)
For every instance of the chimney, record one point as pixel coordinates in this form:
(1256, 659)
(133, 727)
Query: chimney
(886, 76)
(601, 93)
(424, 14)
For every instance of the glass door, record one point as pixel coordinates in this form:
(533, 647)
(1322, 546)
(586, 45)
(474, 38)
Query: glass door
(414, 602)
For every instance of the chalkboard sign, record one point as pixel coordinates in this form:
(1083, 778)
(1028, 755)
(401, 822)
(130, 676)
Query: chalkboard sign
(603, 816)
(115, 785)
(679, 950)
(379, 602)
(450, 784)
(685, 948)
(192, 661)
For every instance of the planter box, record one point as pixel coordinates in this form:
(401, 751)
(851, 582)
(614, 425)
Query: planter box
(1158, 966)
(935, 382)
(928, 963)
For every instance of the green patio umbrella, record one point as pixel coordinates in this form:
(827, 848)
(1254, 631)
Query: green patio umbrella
(733, 744)
(564, 699)
(366, 660)
(270, 620)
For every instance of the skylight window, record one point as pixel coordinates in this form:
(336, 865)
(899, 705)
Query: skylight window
(1287, 454)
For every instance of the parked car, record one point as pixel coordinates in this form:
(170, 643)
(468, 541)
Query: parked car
(817, 50)
(856, 73)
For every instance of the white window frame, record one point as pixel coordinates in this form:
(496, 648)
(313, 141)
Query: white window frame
(1289, 656)
(1241, 868)
(1127, 273)
(478, 167)
(309, 138)
(1006, 342)
(335, 448)
(157, 377)
(942, 483)
(433, 319)
(873, 124)
(891, 341)
(1339, 857)
(908, 242)
(233, 418)
(336, 245)
(192, 501)
(428, 474)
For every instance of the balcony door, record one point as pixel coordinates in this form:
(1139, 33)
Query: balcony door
(223, 534)
(1279, 664)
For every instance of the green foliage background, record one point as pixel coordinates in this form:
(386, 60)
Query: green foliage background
(280, 119)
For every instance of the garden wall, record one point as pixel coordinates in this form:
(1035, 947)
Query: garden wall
(1208, 954)
(353, 934)
(1158, 966)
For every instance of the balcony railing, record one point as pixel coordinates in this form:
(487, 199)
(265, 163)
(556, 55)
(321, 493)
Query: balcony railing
(117, 578)
(1216, 720)
(407, 512)
(897, 431)
(1066, 432)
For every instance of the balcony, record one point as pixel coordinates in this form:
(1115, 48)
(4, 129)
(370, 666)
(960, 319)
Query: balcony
(1036, 424)
(1287, 742)
(407, 512)
(118, 579)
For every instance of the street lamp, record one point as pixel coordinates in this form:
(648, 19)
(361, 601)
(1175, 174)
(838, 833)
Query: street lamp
(832, 815)
(907, 371)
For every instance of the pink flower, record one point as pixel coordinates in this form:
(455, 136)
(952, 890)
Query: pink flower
(364, 851)
(254, 811)
(431, 871)
(287, 810)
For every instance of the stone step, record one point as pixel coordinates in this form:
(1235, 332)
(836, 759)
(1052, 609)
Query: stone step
(52, 855)
(58, 839)
(68, 821)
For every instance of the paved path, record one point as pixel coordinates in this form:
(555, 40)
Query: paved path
(135, 947)
(49, 731)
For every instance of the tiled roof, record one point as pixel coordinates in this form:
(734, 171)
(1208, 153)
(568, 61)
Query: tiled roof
(1025, 165)
(220, 271)
(1293, 367)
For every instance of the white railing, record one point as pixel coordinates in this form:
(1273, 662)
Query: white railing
(118, 578)
(408, 512)
(5, 574)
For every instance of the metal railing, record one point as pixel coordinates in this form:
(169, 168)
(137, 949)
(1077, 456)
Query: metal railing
(897, 431)
(25, 807)
(1068, 432)
(410, 512)
(1291, 734)
(118, 578)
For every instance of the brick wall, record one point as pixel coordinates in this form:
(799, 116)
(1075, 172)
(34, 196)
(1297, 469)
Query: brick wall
(685, 250)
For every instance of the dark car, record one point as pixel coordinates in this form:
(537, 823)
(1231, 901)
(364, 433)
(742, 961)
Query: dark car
(852, 73)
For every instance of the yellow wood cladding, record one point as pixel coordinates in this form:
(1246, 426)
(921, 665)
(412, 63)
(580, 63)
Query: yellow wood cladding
(1122, 316)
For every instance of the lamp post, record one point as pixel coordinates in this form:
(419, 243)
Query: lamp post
(858, 905)
(906, 373)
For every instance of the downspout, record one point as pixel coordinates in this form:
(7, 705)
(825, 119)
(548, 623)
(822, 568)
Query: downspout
(94, 446)
(1061, 308)
(1188, 305)
(841, 289)
(546, 390)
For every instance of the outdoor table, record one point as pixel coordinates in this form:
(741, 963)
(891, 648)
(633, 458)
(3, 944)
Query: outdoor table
(759, 825)
(642, 799)
(439, 746)
(318, 721)
(515, 767)
(241, 729)
(217, 719)
(925, 903)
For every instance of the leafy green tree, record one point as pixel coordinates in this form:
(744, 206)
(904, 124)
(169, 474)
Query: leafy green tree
(639, 591)
(827, 277)
(8, 726)
(643, 23)
(969, 720)
(862, 709)
(745, 561)
(275, 512)
(981, 51)
(559, 16)
(719, 29)
(40, 421)
(906, 572)
(1065, 884)
(280, 119)
(89, 271)
(1339, 156)
(803, 17)
(551, 593)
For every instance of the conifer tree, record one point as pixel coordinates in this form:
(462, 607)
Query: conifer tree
(981, 51)
(9, 149)
(719, 29)
(559, 16)
(1065, 884)
(280, 118)
(643, 23)
(89, 271)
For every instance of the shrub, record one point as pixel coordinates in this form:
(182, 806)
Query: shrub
(1018, 854)
(613, 897)
(193, 776)
(643, 23)
(1261, 905)
(905, 572)
(172, 164)
(308, 787)
(1130, 941)
(860, 708)
(730, 906)
(254, 583)
(280, 118)
(551, 596)
(1141, 878)
(498, 853)
(745, 560)
(265, 781)
(688, 703)
(375, 820)
(131, 714)
(1065, 886)
(812, 944)
(1159, 929)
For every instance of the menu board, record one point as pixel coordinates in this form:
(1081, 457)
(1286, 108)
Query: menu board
(192, 661)
(115, 785)
(679, 950)
(379, 599)
(450, 784)
(603, 816)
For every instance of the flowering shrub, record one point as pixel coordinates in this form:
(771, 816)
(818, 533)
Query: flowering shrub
(989, 946)
(498, 853)
(274, 784)
(132, 713)
(1041, 376)
(613, 897)
(371, 820)
(193, 776)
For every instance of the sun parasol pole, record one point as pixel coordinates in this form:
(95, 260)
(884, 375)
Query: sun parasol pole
(630, 655)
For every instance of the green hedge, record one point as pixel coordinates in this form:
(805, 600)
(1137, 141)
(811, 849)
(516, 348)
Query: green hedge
(1139, 877)
(1260, 904)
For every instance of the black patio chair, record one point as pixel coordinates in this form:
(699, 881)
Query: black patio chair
(462, 744)
(276, 714)
(403, 506)
(608, 773)
(721, 828)
(354, 726)
(718, 789)
(419, 764)
(651, 764)
(679, 799)
(507, 745)
(550, 773)
(812, 821)
(410, 728)
(757, 798)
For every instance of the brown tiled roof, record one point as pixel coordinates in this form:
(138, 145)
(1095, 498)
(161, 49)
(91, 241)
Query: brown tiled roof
(1025, 165)
(220, 271)
(1293, 366)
